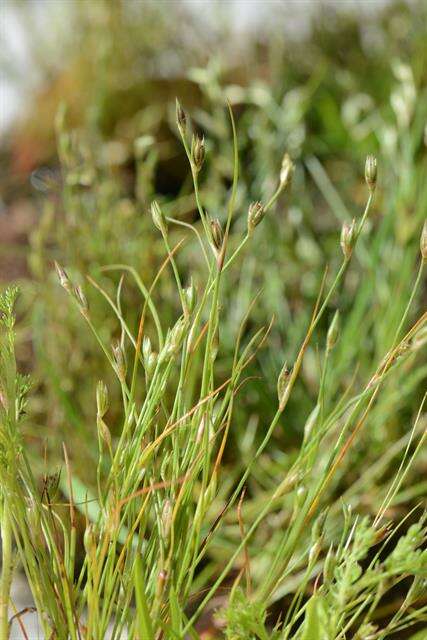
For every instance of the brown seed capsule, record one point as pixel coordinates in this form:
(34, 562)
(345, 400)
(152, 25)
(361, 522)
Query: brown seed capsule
(348, 237)
(63, 278)
(256, 213)
(217, 234)
(371, 172)
(198, 152)
(180, 117)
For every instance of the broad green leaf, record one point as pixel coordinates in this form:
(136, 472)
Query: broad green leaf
(314, 622)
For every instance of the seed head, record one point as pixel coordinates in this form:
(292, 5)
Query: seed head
(101, 398)
(333, 331)
(174, 339)
(256, 213)
(149, 356)
(146, 348)
(158, 217)
(103, 432)
(89, 540)
(198, 152)
(217, 234)
(63, 278)
(81, 300)
(423, 242)
(371, 172)
(177, 334)
(348, 238)
(286, 171)
(181, 118)
(283, 385)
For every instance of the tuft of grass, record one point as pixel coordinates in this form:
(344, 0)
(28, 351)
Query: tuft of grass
(165, 527)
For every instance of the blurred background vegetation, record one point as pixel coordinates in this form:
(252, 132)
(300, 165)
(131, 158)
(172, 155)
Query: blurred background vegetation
(97, 138)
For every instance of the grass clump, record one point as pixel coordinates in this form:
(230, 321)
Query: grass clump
(168, 527)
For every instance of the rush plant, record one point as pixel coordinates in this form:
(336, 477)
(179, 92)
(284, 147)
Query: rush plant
(173, 530)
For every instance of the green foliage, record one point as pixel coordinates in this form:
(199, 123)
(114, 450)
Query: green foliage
(157, 369)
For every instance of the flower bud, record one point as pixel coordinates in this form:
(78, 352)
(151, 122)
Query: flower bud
(217, 234)
(149, 356)
(181, 119)
(174, 339)
(283, 385)
(348, 238)
(151, 363)
(119, 360)
(329, 565)
(371, 172)
(101, 398)
(198, 152)
(256, 213)
(333, 331)
(423, 242)
(190, 296)
(158, 217)
(286, 171)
